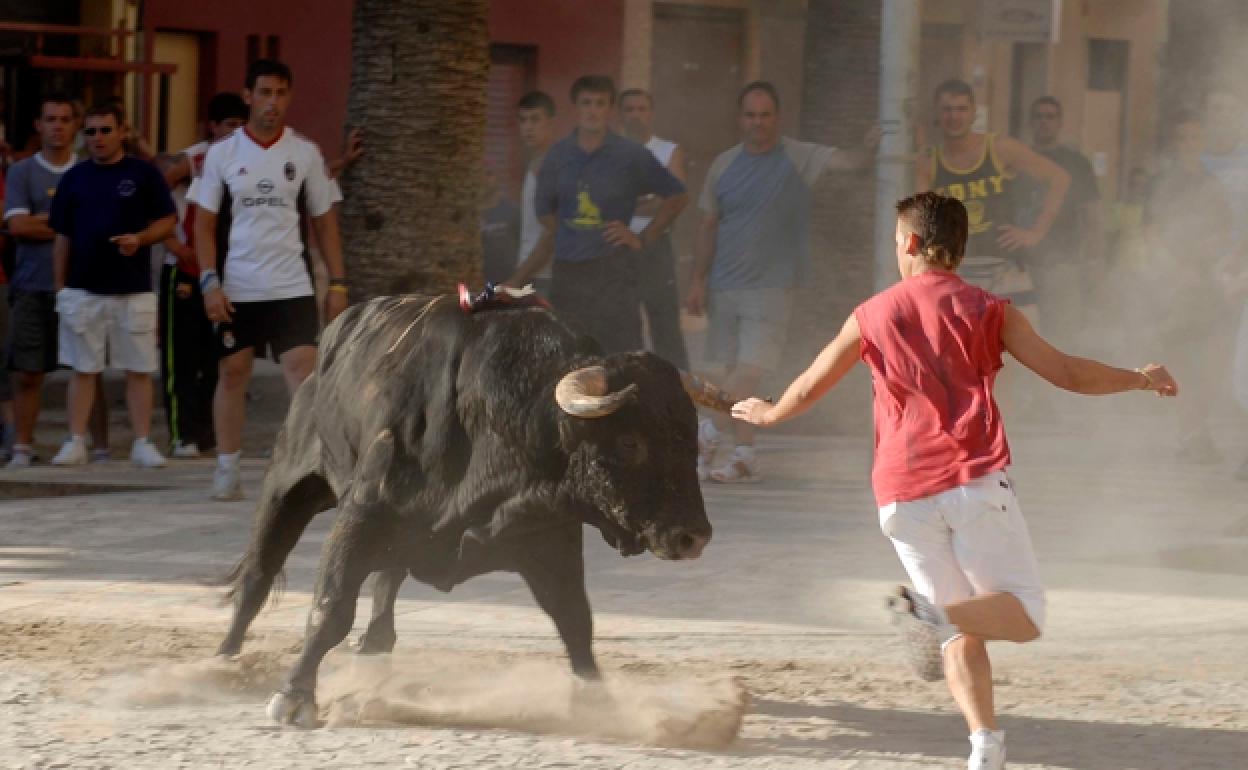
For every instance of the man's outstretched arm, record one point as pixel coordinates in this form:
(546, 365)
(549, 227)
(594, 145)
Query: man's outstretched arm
(1078, 375)
(813, 384)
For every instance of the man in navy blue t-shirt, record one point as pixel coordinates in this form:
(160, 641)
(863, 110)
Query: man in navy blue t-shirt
(106, 214)
(587, 191)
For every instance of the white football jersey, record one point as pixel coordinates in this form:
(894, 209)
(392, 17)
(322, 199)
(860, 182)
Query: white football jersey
(264, 259)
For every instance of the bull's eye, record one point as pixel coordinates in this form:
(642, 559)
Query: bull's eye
(629, 447)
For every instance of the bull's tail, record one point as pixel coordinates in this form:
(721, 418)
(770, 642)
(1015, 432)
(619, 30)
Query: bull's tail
(232, 580)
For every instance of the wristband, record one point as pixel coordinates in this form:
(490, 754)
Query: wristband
(338, 282)
(208, 281)
(340, 288)
(1148, 381)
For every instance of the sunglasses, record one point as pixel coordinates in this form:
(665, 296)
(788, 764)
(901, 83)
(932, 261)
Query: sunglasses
(105, 130)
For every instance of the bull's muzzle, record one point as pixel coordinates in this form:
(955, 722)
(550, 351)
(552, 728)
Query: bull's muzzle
(680, 544)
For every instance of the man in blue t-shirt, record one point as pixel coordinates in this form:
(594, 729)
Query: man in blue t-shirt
(30, 186)
(751, 253)
(106, 215)
(587, 191)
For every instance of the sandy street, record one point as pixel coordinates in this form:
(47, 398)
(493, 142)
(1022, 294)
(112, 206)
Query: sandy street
(106, 631)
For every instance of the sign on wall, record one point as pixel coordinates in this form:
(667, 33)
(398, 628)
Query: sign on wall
(1020, 21)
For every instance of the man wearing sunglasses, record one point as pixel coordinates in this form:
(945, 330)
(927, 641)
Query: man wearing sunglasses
(106, 215)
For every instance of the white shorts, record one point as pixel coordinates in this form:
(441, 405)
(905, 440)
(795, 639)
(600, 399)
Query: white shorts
(99, 330)
(967, 541)
(748, 326)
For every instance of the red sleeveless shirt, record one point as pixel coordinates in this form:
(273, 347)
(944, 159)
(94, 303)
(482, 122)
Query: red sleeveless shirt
(933, 343)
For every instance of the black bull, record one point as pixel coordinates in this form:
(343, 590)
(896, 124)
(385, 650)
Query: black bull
(454, 445)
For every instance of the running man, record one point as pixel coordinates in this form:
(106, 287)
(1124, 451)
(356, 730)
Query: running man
(934, 345)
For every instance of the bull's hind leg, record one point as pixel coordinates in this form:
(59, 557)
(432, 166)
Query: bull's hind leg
(359, 533)
(293, 492)
(379, 638)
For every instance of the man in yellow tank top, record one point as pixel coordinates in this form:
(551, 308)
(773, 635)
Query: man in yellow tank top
(978, 169)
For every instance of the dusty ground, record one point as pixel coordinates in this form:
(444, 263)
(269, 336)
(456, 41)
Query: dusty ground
(106, 632)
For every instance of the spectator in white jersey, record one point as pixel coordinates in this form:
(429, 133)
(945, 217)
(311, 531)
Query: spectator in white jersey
(535, 116)
(657, 265)
(255, 278)
(107, 213)
(188, 360)
(30, 187)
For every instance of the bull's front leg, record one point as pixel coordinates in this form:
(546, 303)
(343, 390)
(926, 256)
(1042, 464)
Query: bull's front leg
(379, 638)
(553, 566)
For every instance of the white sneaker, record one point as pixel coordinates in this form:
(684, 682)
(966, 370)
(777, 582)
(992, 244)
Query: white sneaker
(185, 451)
(987, 750)
(226, 484)
(21, 459)
(920, 639)
(73, 452)
(144, 454)
(741, 469)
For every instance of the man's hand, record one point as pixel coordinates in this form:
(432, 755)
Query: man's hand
(217, 307)
(617, 233)
(695, 298)
(127, 244)
(1159, 380)
(335, 303)
(752, 410)
(1012, 238)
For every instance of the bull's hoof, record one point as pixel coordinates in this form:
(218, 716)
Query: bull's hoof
(592, 697)
(374, 643)
(293, 709)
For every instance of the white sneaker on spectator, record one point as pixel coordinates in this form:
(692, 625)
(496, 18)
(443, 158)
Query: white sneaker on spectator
(987, 750)
(185, 451)
(742, 468)
(708, 445)
(73, 452)
(144, 454)
(21, 458)
(226, 483)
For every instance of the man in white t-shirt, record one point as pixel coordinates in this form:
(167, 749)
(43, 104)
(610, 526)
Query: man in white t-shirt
(535, 117)
(656, 266)
(255, 278)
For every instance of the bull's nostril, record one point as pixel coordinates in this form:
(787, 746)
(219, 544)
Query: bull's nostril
(685, 543)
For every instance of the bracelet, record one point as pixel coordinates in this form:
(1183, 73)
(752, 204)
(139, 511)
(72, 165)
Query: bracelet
(338, 282)
(208, 281)
(340, 288)
(1148, 380)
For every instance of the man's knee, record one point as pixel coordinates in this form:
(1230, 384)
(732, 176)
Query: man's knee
(234, 372)
(28, 380)
(298, 363)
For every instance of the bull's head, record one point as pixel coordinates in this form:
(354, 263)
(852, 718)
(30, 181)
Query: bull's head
(630, 431)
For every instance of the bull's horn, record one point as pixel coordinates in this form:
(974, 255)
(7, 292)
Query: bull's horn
(707, 394)
(583, 393)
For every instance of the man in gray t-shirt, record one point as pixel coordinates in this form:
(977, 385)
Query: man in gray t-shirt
(751, 252)
(29, 188)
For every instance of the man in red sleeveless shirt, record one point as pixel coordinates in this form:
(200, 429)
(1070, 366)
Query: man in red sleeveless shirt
(934, 344)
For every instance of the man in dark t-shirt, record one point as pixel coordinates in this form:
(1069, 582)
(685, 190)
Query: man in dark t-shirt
(106, 215)
(1064, 265)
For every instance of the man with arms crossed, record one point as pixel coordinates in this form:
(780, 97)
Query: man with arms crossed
(107, 213)
(263, 297)
(656, 267)
(30, 187)
(751, 253)
(934, 345)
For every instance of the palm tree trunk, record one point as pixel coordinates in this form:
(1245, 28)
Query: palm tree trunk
(418, 89)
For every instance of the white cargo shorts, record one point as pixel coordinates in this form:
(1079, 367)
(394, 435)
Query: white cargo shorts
(97, 330)
(968, 541)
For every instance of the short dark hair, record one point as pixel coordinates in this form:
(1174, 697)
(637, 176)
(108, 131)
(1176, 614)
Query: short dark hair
(759, 85)
(626, 93)
(112, 106)
(226, 105)
(955, 87)
(941, 224)
(56, 97)
(1049, 100)
(594, 84)
(537, 100)
(271, 67)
